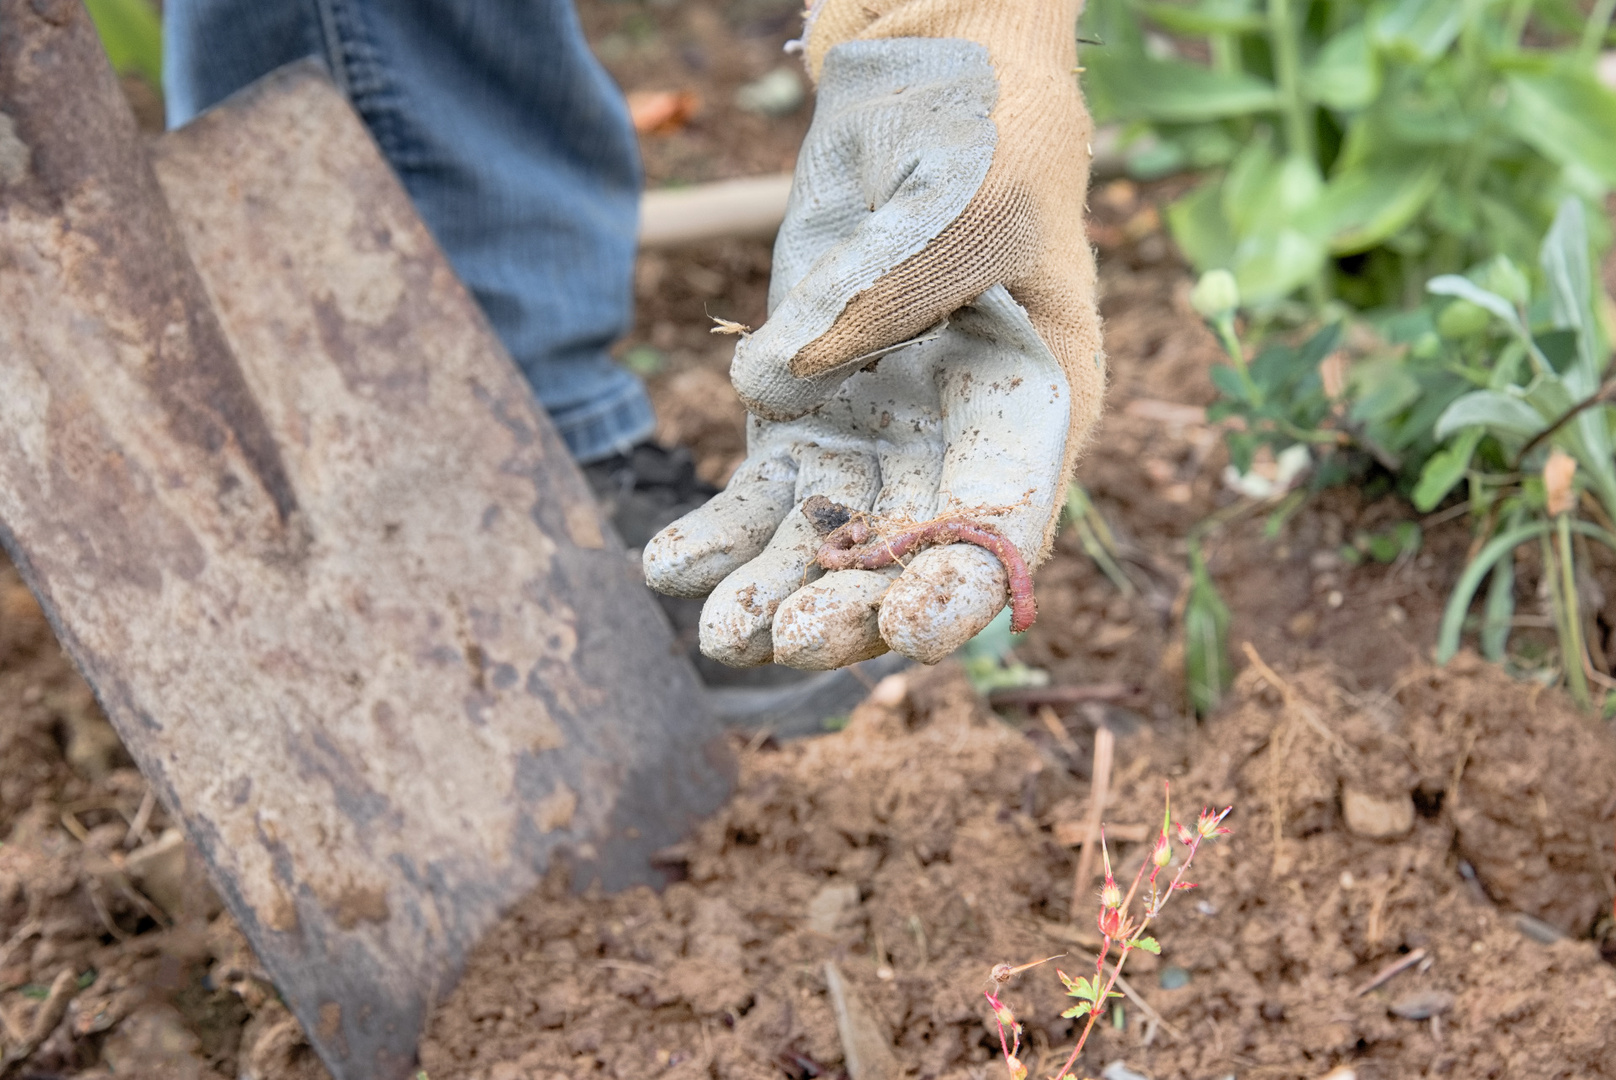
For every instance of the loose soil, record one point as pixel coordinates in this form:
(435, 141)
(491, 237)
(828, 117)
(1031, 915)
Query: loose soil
(932, 838)
(917, 848)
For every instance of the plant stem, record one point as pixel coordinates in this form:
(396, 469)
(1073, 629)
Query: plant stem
(1130, 933)
(1224, 328)
(1288, 72)
(1519, 12)
(1571, 612)
(1593, 31)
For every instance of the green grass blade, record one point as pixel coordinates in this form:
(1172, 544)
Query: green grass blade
(1500, 611)
(1459, 603)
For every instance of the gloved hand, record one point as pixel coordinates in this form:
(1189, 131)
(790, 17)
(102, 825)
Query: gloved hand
(938, 202)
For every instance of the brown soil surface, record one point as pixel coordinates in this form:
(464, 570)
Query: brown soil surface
(918, 848)
(711, 48)
(925, 843)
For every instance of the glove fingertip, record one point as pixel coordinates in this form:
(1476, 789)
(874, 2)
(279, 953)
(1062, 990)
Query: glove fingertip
(943, 600)
(832, 622)
(672, 567)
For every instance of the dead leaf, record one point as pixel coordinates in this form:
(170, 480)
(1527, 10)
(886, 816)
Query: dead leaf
(662, 112)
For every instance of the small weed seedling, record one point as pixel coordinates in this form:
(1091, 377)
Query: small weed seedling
(1119, 928)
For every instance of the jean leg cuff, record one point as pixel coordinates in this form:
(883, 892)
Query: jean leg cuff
(600, 429)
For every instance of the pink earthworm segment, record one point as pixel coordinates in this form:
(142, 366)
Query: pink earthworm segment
(842, 551)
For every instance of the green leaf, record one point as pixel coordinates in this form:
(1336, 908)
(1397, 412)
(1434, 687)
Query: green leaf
(1564, 258)
(1500, 611)
(1500, 413)
(1419, 30)
(1401, 540)
(1568, 116)
(1444, 469)
(1464, 288)
(1264, 199)
(1362, 206)
(1500, 275)
(1081, 988)
(1200, 229)
(1205, 19)
(1149, 944)
(1459, 601)
(132, 33)
(1345, 74)
(1207, 671)
(1270, 266)
(1229, 383)
(1265, 193)
(1383, 387)
(1080, 1009)
(1145, 88)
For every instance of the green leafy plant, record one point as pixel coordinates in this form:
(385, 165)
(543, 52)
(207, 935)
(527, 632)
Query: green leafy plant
(1208, 674)
(1356, 148)
(1121, 929)
(1534, 442)
(1481, 388)
(990, 661)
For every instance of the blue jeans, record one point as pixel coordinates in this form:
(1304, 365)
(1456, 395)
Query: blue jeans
(514, 144)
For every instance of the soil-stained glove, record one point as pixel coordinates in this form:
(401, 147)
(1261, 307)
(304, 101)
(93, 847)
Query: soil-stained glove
(938, 207)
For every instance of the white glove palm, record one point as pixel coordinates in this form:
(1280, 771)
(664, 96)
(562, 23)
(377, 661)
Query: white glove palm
(898, 220)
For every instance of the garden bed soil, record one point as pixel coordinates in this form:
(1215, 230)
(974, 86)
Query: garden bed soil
(916, 849)
(930, 839)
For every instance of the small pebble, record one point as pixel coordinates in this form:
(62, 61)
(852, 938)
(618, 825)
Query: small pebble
(1303, 624)
(1118, 1071)
(779, 93)
(1422, 1005)
(1324, 561)
(1335, 599)
(1172, 978)
(1377, 816)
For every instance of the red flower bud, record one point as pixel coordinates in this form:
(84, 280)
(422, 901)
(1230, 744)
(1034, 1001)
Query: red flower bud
(1209, 825)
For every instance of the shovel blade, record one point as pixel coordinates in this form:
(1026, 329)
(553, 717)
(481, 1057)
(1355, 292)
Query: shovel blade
(294, 513)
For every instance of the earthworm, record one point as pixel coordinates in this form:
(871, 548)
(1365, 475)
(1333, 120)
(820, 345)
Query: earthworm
(841, 549)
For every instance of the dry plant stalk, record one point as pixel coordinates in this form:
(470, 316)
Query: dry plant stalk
(1099, 790)
(1118, 929)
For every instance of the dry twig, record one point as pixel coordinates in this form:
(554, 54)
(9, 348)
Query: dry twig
(1390, 971)
(1029, 696)
(1063, 738)
(1099, 791)
(49, 1014)
(143, 816)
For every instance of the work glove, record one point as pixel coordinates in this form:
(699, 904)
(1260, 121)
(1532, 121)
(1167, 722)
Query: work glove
(932, 348)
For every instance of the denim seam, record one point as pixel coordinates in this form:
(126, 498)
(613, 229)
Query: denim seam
(363, 77)
(325, 18)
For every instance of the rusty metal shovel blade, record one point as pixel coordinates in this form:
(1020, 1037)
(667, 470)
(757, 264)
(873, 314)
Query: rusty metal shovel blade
(294, 513)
